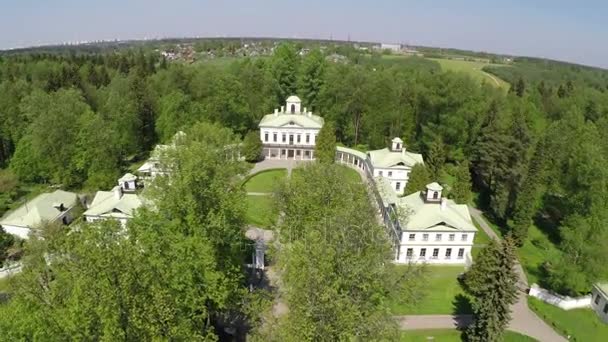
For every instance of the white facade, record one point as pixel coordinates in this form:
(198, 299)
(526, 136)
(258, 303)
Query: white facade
(436, 247)
(290, 132)
(394, 164)
(599, 301)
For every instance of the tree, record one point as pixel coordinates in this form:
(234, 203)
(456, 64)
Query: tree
(436, 158)
(252, 147)
(492, 282)
(461, 191)
(6, 241)
(520, 87)
(311, 78)
(325, 145)
(284, 64)
(418, 179)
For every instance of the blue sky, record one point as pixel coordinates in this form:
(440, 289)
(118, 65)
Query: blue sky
(574, 31)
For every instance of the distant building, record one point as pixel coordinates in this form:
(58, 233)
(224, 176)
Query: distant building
(153, 166)
(290, 132)
(435, 230)
(395, 164)
(51, 207)
(599, 300)
(388, 46)
(128, 182)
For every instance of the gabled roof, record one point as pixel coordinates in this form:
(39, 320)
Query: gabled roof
(431, 216)
(282, 119)
(388, 158)
(128, 177)
(107, 204)
(45, 207)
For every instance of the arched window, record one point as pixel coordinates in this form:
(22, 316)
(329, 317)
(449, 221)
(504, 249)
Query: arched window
(293, 108)
(435, 194)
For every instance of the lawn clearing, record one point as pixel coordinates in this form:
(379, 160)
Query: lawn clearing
(536, 250)
(481, 238)
(261, 211)
(443, 295)
(580, 324)
(350, 174)
(451, 335)
(473, 69)
(265, 181)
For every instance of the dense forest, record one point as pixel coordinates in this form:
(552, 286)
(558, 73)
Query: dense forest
(537, 155)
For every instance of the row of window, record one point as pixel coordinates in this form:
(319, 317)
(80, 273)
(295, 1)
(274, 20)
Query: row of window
(389, 173)
(298, 138)
(597, 301)
(448, 253)
(438, 237)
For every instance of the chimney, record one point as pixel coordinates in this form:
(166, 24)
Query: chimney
(443, 203)
(282, 109)
(117, 192)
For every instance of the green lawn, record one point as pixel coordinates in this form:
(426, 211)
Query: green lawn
(473, 69)
(265, 181)
(351, 175)
(580, 324)
(481, 238)
(261, 211)
(536, 250)
(443, 295)
(450, 335)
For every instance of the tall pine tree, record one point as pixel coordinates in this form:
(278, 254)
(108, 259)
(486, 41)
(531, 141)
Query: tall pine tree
(492, 282)
(461, 191)
(418, 179)
(436, 158)
(325, 148)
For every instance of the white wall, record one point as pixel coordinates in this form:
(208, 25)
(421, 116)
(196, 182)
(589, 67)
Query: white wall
(441, 258)
(599, 306)
(398, 174)
(287, 131)
(432, 238)
(563, 302)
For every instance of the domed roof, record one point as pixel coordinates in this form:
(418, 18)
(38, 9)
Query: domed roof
(434, 186)
(293, 98)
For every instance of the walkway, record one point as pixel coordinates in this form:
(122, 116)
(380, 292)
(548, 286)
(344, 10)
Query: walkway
(268, 164)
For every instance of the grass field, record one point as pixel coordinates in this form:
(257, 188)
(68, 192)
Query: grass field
(473, 69)
(261, 211)
(580, 324)
(450, 335)
(265, 181)
(443, 295)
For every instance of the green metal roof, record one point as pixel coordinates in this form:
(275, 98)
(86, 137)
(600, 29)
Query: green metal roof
(107, 204)
(45, 207)
(431, 216)
(388, 158)
(603, 288)
(351, 151)
(290, 120)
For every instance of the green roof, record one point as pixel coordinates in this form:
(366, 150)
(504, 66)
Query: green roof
(602, 287)
(431, 216)
(292, 120)
(388, 158)
(43, 208)
(107, 204)
(351, 151)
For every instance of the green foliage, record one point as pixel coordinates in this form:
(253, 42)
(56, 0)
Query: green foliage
(418, 179)
(461, 190)
(325, 144)
(311, 78)
(435, 158)
(6, 242)
(252, 147)
(285, 65)
(492, 282)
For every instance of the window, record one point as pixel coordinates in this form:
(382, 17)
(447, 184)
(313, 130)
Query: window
(425, 237)
(448, 253)
(307, 138)
(390, 173)
(451, 237)
(422, 252)
(126, 184)
(380, 173)
(438, 237)
(597, 299)
(398, 186)
(293, 108)
(606, 308)
(460, 253)
(291, 139)
(464, 237)
(410, 252)
(284, 137)
(435, 253)
(435, 194)
(299, 138)
(266, 137)
(274, 137)
(298, 153)
(412, 237)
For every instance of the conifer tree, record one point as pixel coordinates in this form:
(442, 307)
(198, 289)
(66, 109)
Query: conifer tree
(492, 282)
(252, 146)
(461, 191)
(436, 158)
(419, 178)
(325, 148)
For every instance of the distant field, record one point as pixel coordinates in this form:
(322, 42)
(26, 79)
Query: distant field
(473, 69)
(449, 335)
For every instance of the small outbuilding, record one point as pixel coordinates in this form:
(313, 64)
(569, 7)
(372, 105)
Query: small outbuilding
(599, 300)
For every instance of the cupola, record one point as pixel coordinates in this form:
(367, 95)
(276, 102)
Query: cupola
(433, 192)
(293, 105)
(397, 145)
